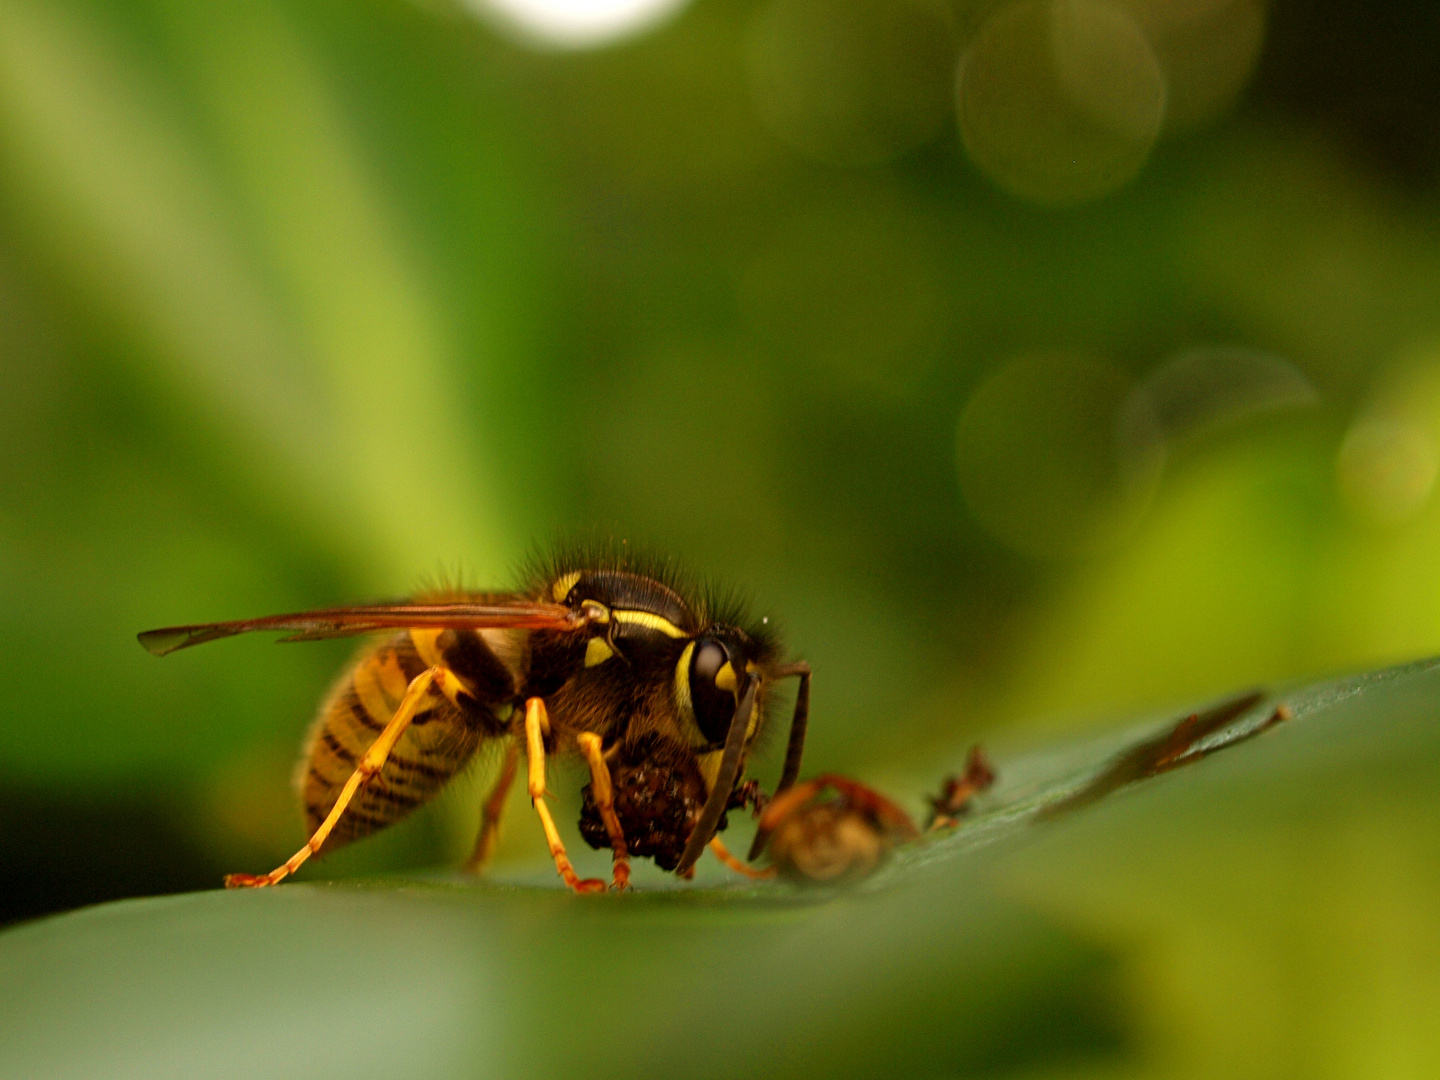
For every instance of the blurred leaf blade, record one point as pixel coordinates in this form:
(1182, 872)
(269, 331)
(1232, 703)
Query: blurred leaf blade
(378, 339)
(347, 372)
(103, 163)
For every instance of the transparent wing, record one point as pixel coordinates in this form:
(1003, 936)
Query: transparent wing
(345, 621)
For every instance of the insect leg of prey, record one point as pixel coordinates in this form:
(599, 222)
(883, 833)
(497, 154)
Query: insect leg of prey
(494, 808)
(863, 798)
(369, 766)
(537, 722)
(723, 854)
(604, 793)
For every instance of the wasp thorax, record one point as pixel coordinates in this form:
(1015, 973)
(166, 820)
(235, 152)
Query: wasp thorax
(712, 688)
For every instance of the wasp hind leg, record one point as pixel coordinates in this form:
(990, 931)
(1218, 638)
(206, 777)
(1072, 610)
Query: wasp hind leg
(369, 767)
(494, 810)
(537, 724)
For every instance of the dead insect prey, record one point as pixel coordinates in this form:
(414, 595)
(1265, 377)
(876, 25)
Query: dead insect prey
(815, 839)
(957, 792)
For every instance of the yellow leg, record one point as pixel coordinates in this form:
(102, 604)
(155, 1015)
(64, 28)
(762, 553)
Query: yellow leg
(604, 793)
(494, 808)
(537, 723)
(369, 766)
(723, 854)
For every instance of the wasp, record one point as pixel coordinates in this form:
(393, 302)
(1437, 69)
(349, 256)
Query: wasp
(605, 655)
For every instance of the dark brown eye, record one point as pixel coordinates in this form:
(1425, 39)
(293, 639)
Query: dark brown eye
(714, 705)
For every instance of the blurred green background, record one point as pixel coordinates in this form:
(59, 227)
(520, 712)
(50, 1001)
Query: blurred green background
(1032, 363)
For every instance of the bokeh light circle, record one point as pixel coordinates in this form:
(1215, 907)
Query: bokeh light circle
(1207, 48)
(1386, 469)
(575, 24)
(852, 82)
(1204, 388)
(1389, 460)
(1040, 461)
(1060, 101)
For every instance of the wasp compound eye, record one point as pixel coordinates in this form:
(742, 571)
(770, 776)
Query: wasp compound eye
(712, 689)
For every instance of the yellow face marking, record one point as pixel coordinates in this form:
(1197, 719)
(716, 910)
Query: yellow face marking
(597, 652)
(561, 588)
(725, 677)
(682, 693)
(650, 621)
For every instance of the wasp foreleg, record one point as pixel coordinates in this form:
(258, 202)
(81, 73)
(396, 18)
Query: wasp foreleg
(537, 723)
(603, 792)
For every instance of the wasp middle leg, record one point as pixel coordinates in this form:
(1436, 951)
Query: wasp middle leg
(494, 809)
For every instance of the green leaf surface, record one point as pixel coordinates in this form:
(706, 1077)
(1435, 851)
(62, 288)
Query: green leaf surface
(1265, 910)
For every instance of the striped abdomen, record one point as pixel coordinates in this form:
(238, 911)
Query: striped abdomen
(440, 740)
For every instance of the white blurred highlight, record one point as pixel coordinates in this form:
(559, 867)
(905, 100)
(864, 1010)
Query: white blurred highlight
(575, 24)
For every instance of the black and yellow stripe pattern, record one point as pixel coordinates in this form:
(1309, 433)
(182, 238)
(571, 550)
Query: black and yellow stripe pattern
(439, 742)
